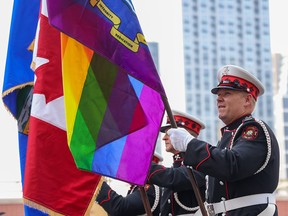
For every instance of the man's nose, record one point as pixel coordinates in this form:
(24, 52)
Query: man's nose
(219, 98)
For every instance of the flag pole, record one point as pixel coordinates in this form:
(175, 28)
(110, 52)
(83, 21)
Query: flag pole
(189, 170)
(145, 201)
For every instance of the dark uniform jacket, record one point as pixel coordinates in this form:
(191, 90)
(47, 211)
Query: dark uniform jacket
(240, 165)
(130, 205)
(178, 197)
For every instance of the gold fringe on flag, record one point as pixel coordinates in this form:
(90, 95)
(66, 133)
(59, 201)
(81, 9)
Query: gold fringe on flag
(5, 93)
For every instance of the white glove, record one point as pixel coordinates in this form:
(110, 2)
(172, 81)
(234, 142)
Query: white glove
(179, 138)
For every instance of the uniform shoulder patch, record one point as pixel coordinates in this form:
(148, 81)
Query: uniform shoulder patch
(250, 132)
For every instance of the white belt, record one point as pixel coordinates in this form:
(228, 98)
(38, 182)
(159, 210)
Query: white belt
(190, 214)
(240, 202)
(270, 210)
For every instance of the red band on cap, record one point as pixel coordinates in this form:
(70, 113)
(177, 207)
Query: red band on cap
(239, 83)
(186, 123)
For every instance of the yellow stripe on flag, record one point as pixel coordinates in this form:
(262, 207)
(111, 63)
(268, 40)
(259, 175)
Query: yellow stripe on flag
(75, 63)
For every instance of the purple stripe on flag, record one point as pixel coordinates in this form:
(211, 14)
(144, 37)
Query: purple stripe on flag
(138, 143)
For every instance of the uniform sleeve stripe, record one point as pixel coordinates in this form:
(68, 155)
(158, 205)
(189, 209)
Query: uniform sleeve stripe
(208, 152)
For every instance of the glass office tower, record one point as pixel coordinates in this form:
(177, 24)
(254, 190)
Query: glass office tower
(220, 32)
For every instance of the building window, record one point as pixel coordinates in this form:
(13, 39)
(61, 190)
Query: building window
(286, 130)
(286, 145)
(187, 59)
(188, 83)
(285, 102)
(207, 104)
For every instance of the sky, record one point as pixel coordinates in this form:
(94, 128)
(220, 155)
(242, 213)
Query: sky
(161, 22)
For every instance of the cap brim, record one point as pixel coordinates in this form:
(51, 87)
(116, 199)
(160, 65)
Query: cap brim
(168, 126)
(215, 90)
(164, 128)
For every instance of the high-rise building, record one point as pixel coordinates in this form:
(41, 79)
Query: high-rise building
(154, 50)
(220, 32)
(280, 68)
(277, 62)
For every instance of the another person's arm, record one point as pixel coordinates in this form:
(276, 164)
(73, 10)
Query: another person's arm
(117, 205)
(177, 179)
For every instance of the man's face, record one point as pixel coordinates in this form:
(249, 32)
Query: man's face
(231, 105)
(169, 147)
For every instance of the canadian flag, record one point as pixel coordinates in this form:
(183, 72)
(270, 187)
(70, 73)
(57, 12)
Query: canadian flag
(52, 181)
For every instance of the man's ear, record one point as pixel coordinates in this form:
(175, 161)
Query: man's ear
(249, 99)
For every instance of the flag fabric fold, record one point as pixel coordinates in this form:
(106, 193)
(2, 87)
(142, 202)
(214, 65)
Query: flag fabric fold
(53, 183)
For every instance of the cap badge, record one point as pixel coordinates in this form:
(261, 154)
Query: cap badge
(225, 71)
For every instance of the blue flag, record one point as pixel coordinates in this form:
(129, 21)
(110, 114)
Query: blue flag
(19, 78)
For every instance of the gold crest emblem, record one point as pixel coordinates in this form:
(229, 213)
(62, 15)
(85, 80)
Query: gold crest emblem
(250, 133)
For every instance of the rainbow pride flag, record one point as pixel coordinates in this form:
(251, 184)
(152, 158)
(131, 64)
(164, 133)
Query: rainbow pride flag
(113, 93)
(112, 119)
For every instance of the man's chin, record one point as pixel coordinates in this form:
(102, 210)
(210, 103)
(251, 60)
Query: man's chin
(168, 149)
(220, 116)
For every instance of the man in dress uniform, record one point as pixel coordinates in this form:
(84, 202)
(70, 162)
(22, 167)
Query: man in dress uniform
(243, 168)
(132, 204)
(178, 197)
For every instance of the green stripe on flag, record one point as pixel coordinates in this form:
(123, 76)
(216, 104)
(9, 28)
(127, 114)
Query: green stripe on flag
(91, 110)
